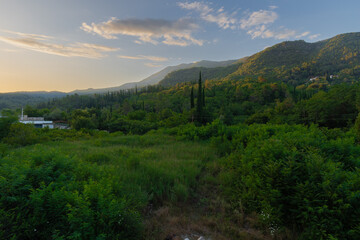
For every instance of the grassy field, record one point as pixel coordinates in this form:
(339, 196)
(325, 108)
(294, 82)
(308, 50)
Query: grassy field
(96, 189)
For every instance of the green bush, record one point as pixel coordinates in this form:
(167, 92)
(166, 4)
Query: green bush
(43, 197)
(294, 177)
(5, 124)
(22, 134)
(132, 162)
(4, 148)
(131, 126)
(179, 192)
(99, 158)
(191, 132)
(81, 122)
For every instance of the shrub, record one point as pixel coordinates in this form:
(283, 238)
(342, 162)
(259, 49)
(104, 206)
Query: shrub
(297, 178)
(5, 124)
(179, 192)
(99, 158)
(21, 135)
(83, 122)
(132, 162)
(131, 126)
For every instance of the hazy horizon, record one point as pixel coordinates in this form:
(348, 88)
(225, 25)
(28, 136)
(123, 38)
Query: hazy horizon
(64, 46)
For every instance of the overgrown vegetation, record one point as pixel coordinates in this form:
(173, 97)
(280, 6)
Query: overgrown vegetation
(96, 188)
(303, 182)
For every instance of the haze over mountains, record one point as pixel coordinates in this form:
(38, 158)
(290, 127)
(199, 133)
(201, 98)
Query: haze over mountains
(294, 61)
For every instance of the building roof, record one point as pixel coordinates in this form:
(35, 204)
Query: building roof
(37, 122)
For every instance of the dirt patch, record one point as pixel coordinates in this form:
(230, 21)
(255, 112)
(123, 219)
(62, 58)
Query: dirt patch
(204, 218)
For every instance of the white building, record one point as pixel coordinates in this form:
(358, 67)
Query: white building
(38, 122)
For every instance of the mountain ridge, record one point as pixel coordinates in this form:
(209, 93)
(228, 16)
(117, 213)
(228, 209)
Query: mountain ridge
(158, 76)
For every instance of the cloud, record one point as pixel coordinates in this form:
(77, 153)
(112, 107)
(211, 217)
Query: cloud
(86, 50)
(40, 43)
(152, 65)
(143, 57)
(28, 35)
(258, 24)
(220, 17)
(260, 32)
(261, 17)
(304, 34)
(263, 32)
(285, 34)
(314, 36)
(147, 30)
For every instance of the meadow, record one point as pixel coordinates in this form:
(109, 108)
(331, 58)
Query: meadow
(95, 188)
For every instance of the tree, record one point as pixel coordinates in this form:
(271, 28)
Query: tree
(203, 97)
(21, 134)
(126, 108)
(357, 127)
(5, 124)
(199, 107)
(192, 102)
(83, 122)
(56, 114)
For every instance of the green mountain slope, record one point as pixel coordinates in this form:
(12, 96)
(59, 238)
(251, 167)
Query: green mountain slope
(191, 74)
(299, 60)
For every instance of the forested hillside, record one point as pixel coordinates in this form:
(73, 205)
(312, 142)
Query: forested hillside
(19, 99)
(299, 61)
(291, 61)
(187, 75)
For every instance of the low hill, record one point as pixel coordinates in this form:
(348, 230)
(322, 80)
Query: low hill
(20, 99)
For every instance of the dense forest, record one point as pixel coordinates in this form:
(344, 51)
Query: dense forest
(260, 153)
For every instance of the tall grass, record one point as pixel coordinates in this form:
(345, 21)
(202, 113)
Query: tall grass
(94, 188)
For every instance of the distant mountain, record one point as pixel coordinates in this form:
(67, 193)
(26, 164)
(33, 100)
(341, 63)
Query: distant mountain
(208, 71)
(20, 99)
(157, 77)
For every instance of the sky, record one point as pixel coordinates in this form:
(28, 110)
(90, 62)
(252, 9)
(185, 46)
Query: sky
(63, 45)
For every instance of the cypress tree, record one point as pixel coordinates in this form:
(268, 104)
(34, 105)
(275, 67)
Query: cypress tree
(192, 101)
(199, 97)
(203, 97)
(199, 101)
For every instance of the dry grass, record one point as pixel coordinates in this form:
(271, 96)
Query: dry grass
(206, 216)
